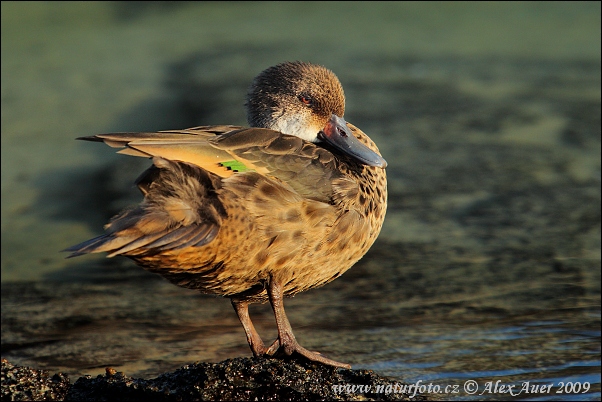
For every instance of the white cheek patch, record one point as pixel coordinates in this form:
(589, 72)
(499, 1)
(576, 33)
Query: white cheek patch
(296, 126)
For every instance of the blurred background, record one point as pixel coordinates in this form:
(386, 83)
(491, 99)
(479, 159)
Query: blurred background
(488, 266)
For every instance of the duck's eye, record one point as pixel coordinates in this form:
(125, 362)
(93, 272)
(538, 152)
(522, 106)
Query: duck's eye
(306, 99)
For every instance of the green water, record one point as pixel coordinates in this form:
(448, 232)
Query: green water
(488, 266)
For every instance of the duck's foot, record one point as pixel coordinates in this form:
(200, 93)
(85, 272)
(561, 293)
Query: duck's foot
(292, 346)
(286, 342)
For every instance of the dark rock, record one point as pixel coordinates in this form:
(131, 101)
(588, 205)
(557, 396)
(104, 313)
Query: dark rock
(27, 384)
(241, 379)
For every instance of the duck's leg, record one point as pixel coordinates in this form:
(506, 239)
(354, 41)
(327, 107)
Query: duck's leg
(242, 310)
(273, 348)
(286, 339)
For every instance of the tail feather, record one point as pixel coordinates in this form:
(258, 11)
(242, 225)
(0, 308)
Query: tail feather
(180, 209)
(95, 245)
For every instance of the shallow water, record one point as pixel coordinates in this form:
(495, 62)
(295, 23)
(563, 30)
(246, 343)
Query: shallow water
(455, 357)
(488, 267)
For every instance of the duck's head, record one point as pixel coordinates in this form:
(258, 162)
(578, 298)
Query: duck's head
(305, 100)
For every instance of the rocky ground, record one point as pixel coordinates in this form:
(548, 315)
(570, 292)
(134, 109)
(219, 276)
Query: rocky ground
(240, 379)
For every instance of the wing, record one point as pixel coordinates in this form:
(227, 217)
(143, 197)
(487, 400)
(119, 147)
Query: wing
(180, 209)
(190, 145)
(226, 150)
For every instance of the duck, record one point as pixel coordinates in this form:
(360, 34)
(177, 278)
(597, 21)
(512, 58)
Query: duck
(256, 213)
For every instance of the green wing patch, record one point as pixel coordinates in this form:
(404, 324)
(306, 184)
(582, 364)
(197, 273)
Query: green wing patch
(235, 166)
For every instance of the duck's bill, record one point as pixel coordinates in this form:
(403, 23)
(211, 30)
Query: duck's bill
(337, 134)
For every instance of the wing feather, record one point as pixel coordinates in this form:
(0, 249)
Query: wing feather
(306, 167)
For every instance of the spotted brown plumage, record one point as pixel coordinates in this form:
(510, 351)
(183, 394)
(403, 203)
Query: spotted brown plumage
(259, 213)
